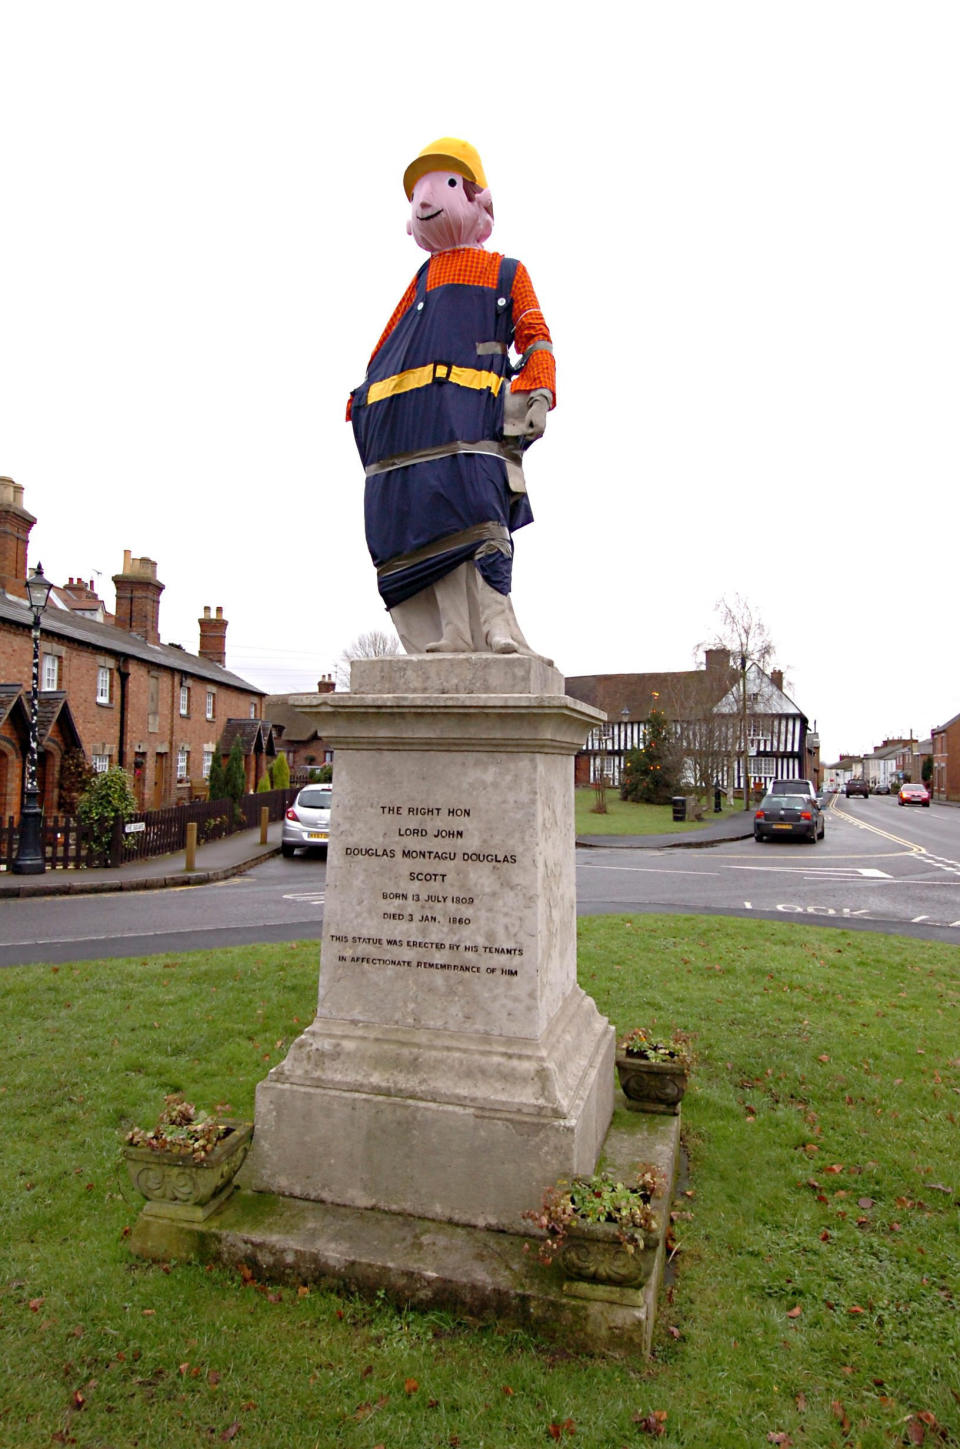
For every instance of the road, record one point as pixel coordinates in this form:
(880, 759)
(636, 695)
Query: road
(879, 867)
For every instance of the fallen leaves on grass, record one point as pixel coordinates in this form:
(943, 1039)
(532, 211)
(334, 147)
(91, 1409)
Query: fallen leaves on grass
(557, 1431)
(840, 1413)
(655, 1423)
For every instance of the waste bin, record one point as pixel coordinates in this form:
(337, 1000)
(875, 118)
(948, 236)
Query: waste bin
(717, 800)
(679, 807)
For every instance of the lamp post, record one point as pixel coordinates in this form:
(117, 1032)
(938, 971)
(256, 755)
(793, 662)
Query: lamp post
(30, 857)
(745, 740)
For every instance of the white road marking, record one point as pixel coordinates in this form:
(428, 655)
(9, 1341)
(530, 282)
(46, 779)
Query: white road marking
(313, 898)
(643, 869)
(814, 872)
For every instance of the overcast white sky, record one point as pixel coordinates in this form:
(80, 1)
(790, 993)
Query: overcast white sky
(743, 223)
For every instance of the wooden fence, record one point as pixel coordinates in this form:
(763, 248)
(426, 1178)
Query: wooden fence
(154, 832)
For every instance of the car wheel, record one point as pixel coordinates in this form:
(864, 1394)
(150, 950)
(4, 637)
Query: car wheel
(287, 850)
(925, 804)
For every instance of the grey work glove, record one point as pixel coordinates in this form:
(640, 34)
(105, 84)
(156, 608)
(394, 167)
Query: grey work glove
(525, 414)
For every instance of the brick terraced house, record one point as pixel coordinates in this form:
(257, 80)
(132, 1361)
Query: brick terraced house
(108, 686)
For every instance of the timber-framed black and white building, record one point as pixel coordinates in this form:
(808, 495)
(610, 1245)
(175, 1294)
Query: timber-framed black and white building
(711, 710)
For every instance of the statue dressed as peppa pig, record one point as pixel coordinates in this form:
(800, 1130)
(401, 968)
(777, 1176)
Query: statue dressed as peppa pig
(444, 415)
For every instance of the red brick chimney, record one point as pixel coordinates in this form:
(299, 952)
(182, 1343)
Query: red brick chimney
(213, 636)
(325, 684)
(138, 597)
(776, 679)
(716, 661)
(15, 526)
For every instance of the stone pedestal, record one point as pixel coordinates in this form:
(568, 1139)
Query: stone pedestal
(454, 1068)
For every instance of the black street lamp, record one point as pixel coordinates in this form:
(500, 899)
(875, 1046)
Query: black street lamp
(30, 857)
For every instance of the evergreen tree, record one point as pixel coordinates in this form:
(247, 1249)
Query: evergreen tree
(235, 779)
(280, 773)
(263, 786)
(652, 774)
(216, 781)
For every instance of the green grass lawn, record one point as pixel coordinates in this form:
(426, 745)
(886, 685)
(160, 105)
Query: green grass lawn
(817, 1268)
(623, 817)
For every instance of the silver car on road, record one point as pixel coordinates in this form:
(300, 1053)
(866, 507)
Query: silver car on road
(306, 824)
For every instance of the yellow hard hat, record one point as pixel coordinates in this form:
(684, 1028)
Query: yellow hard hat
(447, 154)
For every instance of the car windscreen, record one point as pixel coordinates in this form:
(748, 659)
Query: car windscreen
(787, 787)
(315, 799)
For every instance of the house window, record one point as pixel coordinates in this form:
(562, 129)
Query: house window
(207, 763)
(184, 699)
(101, 764)
(103, 685)
(211, 697)
(253, 709)
(50, 672)
(183, 763)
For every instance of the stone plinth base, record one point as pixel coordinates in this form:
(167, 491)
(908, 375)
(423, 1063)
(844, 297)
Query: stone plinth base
(422, 1263)
(454, 1068)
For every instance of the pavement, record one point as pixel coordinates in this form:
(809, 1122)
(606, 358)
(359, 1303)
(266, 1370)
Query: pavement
(736, 826)
(214, 861)
(219, 859)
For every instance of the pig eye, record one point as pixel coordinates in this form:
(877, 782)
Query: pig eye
(451, 181)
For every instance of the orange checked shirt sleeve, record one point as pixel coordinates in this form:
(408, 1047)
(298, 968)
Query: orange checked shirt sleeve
(529, 325)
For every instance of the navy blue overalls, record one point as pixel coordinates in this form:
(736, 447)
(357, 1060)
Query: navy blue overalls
(436, 390)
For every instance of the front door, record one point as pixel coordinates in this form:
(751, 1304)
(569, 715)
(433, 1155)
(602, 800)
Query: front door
(159, 781)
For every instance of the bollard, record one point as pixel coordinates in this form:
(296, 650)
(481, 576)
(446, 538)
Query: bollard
(191, 861)
(264, 820)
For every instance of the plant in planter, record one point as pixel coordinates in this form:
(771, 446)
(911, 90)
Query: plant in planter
(601, 1229)
(186, 1163)
(653, 1071)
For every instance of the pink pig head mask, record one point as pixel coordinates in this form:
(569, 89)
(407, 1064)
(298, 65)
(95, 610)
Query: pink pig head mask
(450, 204)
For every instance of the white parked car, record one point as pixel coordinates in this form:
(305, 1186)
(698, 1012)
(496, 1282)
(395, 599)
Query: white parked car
(306, 824)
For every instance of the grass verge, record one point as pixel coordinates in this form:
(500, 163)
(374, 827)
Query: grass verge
(818, 1251)
(624, 817)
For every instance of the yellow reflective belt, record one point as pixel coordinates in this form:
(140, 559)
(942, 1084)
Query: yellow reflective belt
(416, 377)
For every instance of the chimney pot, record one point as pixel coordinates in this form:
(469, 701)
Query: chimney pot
(15, 526)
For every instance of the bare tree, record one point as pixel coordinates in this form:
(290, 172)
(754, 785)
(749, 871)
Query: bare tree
(704, 736)
(742, 633)
(371, 644)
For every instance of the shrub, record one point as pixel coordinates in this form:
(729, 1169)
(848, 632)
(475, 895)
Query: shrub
(108, 797)
(264, 786)
(280, 773)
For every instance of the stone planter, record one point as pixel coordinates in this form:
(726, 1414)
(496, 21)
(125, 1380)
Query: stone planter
(652, 1086)
(177, 1187)
(593, 1253)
